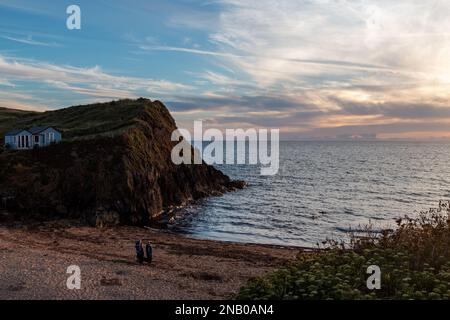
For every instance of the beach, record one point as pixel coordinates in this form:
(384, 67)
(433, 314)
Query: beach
(35, 257)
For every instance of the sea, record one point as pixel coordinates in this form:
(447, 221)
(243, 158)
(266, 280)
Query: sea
(323, 191)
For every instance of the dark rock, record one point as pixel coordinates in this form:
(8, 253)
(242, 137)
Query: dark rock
(123, 176)
(236, 184)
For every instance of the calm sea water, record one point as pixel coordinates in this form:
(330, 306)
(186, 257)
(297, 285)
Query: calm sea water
(322, 190)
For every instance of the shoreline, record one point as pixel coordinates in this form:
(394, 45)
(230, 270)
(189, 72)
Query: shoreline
(35, 257)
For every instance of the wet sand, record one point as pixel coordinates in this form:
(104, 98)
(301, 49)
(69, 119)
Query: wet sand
(34, 261)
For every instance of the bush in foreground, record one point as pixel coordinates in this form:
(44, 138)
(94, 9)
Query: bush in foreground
(414, 261)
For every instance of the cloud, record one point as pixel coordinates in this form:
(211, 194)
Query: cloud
(336, 63)
(6, 83)
(238, 103)
(15, 100)
(29, 40)
(316, 114)
(83, 81)
(313, 68)
(405, 36)
(340, 67)
(398, 110)
(388, 128)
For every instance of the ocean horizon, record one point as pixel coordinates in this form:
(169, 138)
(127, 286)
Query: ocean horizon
(324, 190)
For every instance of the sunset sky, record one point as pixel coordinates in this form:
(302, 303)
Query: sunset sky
(315, 69)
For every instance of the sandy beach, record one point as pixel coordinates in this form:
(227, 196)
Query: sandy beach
(34, 261)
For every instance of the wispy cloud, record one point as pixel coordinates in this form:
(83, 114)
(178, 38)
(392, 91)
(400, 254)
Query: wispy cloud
(84, 81)
(327, 67)
(40, 8)
(6, 83)
(312, 68)
(342, 64)
(16, 100)
(29, 40)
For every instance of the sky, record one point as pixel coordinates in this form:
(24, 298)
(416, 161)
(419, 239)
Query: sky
(322, 69)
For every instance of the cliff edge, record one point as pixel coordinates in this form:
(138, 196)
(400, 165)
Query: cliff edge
(113, 166)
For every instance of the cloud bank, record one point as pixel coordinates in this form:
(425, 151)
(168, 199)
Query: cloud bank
(314, 69)
(331, 68)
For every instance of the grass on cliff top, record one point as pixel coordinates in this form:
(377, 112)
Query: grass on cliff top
(79, 121)
(414, 261)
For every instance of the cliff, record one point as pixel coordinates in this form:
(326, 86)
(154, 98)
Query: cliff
(113, 166)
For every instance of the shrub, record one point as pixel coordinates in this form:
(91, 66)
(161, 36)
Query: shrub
(414, 261)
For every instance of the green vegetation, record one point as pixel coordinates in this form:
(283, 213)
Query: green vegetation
(104, 119)
(113, 166)
(12, 114)
(414, 261)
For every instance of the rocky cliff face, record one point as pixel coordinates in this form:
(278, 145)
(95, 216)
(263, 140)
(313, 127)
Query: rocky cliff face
(119, 176)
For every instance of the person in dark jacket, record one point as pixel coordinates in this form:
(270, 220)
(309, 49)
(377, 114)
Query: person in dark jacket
(139, 251)
(149, 251)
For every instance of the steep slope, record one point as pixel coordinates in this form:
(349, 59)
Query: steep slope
(116, 169)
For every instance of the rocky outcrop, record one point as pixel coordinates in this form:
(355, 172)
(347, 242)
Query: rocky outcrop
(124, 177)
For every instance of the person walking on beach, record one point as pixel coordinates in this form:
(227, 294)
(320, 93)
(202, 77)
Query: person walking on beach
(139, 251)
(149, 251)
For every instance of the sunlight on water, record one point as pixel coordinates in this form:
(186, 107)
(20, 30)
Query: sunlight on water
(324, 189)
